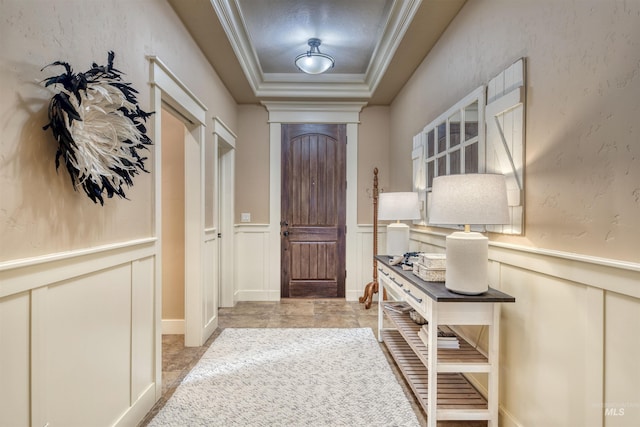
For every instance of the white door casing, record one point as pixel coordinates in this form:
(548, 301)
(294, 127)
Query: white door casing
(167, 88)
(313, 112)
(225, 142)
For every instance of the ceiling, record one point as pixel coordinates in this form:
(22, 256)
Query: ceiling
(377, 44)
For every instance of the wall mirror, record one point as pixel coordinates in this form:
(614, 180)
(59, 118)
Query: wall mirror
(481, 133)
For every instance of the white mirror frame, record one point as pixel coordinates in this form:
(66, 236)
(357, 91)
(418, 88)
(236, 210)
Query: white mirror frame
(500, 141)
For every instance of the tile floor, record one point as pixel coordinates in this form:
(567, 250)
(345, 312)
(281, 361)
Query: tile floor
(178, 360)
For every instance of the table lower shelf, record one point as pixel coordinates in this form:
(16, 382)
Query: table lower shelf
(464, 359)
(457, 398)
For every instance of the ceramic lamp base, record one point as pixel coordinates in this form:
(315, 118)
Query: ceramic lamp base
(467, 263)
(397, 238)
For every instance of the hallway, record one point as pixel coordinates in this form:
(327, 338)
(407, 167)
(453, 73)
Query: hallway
(178, 360)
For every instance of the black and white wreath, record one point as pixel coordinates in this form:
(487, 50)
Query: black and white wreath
(99, 127)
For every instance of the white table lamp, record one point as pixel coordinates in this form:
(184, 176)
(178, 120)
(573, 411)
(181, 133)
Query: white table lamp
(477, 199)
(397, 207)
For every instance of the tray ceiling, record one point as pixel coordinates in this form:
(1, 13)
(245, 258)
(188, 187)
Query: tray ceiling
(377, 44)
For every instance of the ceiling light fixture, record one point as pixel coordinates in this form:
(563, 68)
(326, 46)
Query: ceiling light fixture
(314, 62)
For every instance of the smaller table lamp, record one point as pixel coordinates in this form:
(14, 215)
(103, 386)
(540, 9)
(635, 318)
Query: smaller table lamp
(477, 199)
(397, 207)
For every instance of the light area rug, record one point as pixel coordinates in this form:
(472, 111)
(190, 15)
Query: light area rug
(290, 377)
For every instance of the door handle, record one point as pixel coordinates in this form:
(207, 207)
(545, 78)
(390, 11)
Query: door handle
(285, 233)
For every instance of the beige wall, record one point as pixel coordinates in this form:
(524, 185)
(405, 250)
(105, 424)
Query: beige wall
(373, 151)
(39, 211)
(582, 178)
(173, 133)
(562, 361)
(252, 164)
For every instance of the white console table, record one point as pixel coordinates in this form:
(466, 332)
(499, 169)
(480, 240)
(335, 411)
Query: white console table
(447, 395)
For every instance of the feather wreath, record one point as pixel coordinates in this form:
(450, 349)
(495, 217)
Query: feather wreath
(99, 127)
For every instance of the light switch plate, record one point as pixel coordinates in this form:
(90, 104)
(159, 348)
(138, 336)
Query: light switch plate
(245, 217)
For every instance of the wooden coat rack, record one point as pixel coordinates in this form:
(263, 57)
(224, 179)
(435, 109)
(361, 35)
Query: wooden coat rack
(372, 287)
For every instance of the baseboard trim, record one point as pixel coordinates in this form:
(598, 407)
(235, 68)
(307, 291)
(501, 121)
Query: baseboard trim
(138, 409)
(172, 326)
(250, 295)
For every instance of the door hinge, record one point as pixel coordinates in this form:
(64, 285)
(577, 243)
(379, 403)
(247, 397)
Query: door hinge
(219, 235)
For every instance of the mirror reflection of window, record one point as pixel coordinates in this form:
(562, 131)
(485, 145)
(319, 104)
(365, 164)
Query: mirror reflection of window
(471, 121)
(442, 165)
(471, 158)
(454, 162)
(454, 129)
(454, 155)
(430, 173)
(431, 143)
(453, 144)
(442, 138)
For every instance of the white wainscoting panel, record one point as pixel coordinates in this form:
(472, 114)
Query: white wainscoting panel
(622, 344)
(569, 344)
(88, 329)
(14, 359)
(78, 337)
(364, 257)
(142, 326)
(252, 262)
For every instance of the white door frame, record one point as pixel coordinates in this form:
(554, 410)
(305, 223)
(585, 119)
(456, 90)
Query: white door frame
(167, 88)
(313, 112)
(224, 146)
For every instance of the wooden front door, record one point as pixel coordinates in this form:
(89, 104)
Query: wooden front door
(313, 210)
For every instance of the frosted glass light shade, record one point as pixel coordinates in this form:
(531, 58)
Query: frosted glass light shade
(469, 199)
(398, 206)
(314, 61)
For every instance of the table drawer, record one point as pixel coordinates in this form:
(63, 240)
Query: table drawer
(404, 289)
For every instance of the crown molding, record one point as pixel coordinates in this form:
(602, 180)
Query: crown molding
(299, 85)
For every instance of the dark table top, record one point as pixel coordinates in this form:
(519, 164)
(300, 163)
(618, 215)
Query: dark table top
(438, 292)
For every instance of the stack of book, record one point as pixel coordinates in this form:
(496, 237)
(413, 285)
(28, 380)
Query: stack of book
(446, 337)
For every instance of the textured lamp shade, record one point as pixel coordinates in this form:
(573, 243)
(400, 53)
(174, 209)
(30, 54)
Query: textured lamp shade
(464, 200)
(399, 206)
(396, 207)
(469, 199)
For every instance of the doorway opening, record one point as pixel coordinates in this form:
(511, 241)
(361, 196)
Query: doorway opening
(173, 220)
